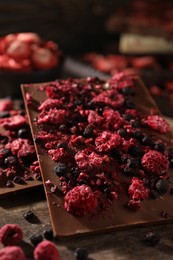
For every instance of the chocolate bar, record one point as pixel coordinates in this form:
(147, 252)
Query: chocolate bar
(104, 151)
(19, 169)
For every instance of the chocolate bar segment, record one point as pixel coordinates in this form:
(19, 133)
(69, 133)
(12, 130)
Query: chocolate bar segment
(104, 152)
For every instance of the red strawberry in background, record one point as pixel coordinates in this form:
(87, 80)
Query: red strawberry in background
(43, 58)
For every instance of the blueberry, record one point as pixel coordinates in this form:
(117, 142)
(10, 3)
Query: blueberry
(10, 161)
(78, 102)
(115, 153)
(171, 163)
(122, 132)
(9, 184)
(126, 91)
(23, 133)
(135, 151)
(137, 134)
(60, 169)
(133, 163)
(62, 145)
(124, 158)
(152, 239)
(81, 253)
(129, 171)
(4, 114)
(127, 117)
(88, 131)
(62, 127)
(28, 215)
(162, 185)
(48, 234)
(129, 103)
(147, 141)
(19, 180)
(154, 194)
(159, 147)
(4, 152)
(135, 124)
(36, 239)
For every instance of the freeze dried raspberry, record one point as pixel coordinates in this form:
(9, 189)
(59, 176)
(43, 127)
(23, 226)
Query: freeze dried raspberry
(58, 154)
(53, 116)
(112, 117)
(106, 141)
(26, 154)
(137, 189)
(17, 144)
(50, 103)
(155, 163)
(12, 253)
(94, 118)
(13, 122)
(110, 98)
(46, 250)
(80, 201)
(158, 123)
(134, 204)
(87, 160)
(11, 234)
(6, 104)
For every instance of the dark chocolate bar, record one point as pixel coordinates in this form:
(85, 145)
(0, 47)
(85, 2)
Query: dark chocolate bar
(104, 151)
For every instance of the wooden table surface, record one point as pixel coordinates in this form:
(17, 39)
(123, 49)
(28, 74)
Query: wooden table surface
(120, 245)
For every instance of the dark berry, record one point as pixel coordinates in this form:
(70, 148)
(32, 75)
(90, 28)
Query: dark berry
(88, 131)
(159, 147)
(154, 194)
(126, 91)
(37, 140)
(138, 135)
(129, 171)
(78, 102)
(127, 117)
(81, 253)
(162, 186)
(23, 133)
(146, 140)
(122, 132)
(164, 214)
(75, 171)
(115, 153)
(100, 111)
(4, 153)
(19, 180)
(36, 239)
(4, 114)
(9, 184)
(124, 158)
(10, 161)
(62, 127)
(171, 163)
(28, 215)
(91, 105)
(135, 124)
(135, 151)
(133, 163)
(62, 145)
(152, 239)
(170, 152)
(129, 103)
(48, 234)
(60, 169)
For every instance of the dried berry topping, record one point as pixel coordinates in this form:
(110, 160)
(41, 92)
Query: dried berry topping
(137, 189)
(138, 134)
(23, 133)
(10, 161)
(81, 253)
(88, 131)
(158, 123)
(80, 201)
(60, 169)
(162, 185)
(155, 163)
(159, 146)
(36, 239)
(135, 151)
(11, 234)
(146, 140)
(152, 239)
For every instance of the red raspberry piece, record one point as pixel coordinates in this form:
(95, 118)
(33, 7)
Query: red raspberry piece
(26, 154)
(13, 122)
(53, 116)
(58, 154)
(46, 250)
(87, 160)
(50, 103)
(112, 117)
(6, 104)
(137, 189)
(110, 98)
(80, 201)
(107, 141)
(44, 58)
(94, 118)
(154, 162)
(11, 234)
(158, 123)
(134, 204)
(12, 253)
(17, 144)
